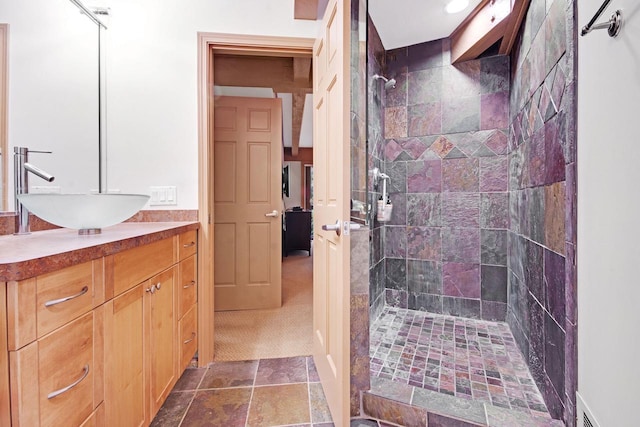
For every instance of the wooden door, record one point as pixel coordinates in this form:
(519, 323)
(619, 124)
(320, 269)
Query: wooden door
(124, 360)
(248, 203)
(161, 337)
(331, 292)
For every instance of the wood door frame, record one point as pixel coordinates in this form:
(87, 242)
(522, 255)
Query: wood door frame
(4, 108)
(208, 45)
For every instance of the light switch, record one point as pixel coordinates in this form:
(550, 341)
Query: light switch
(163, 196)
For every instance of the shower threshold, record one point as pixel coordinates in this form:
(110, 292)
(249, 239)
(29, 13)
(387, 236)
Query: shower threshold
(472, 368)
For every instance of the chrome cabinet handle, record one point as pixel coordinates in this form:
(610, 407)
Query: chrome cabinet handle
(65, 299)
(70, 386)
(333, 227)
(158, 286)
(193, 337)
(188, 245)
(188, 285)
(272, 214)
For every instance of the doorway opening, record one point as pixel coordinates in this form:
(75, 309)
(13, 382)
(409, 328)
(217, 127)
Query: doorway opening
(222, 58)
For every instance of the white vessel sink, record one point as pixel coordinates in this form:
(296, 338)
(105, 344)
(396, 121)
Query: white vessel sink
(85, 212)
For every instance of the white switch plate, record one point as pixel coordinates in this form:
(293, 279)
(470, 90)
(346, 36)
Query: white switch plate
(163, 196)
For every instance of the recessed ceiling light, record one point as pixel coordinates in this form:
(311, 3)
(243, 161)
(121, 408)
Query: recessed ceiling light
(455, 6)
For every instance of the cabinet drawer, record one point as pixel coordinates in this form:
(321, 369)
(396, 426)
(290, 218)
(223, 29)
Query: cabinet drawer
(96, 419)
(39, 305)
(138, 264)
(188, 336)
(187, 285)
(53, 378)
(62, 296)
(187, 244)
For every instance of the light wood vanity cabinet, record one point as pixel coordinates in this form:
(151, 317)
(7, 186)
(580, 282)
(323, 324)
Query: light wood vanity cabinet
(102, 343)
(141, 331)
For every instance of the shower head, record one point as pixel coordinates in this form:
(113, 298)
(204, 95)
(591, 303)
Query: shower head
(388, 83)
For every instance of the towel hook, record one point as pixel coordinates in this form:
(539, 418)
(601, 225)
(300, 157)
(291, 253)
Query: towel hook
(613, 25)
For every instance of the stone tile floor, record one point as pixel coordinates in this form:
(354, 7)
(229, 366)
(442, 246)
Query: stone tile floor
(466, 358)
(255, 393)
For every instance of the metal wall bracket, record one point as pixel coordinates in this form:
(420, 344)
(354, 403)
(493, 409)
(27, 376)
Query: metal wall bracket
(613, 25)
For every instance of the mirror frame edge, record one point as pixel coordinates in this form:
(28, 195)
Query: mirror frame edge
(4, 72)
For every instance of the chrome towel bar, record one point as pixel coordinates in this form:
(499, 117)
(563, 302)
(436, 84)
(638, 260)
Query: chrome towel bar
(613, 25)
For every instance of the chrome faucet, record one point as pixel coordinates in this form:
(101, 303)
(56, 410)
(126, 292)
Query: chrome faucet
(21, 169)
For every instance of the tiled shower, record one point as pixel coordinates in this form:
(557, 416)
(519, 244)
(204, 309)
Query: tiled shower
(481, 159)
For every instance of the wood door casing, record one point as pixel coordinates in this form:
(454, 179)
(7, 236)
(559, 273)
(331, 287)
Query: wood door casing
(331, 285)
(247, 186)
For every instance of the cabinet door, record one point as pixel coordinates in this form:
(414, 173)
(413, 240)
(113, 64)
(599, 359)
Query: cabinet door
(162, 325)
(124, 359)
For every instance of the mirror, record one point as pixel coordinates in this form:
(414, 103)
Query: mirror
(294, 197)
(52, 94)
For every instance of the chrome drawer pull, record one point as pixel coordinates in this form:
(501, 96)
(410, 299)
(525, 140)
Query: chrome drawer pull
(70, 386)
(65, 299)
(193, 337)
(190, 284)
(188, 245)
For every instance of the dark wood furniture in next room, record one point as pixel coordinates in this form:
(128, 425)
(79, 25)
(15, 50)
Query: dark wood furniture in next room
(297, 235)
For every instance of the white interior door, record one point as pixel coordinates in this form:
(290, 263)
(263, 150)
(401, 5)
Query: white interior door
(331, 292)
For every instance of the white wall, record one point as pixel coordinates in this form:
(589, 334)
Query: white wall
(151, 80)
(609, 217)
(152, 83)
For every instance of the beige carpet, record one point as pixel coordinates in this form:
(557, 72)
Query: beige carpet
(266, 334)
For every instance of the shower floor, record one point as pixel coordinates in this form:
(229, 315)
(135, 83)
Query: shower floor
(466, 358)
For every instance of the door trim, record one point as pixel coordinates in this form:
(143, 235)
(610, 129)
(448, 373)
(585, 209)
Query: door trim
(208, 44)
(4, 108)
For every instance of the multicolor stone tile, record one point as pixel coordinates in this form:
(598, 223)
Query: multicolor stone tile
(449, 360)
(298, 404)
(228, 407)
(172, 412)
(281, 371)
(461, 175)
(279, 405)
(424, 176)
(230, 374)
(461, 280)
(424, 119)
(494, 110)
(461, 210)
(395, 122)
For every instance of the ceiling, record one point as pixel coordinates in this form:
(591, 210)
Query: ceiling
(407, 22)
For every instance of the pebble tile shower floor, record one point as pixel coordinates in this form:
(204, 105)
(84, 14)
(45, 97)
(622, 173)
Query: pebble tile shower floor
(466, 358)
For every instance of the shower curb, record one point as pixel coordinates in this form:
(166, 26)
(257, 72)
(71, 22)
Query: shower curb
(409, 406)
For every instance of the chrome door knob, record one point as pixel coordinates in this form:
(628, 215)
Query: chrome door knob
(272, 214)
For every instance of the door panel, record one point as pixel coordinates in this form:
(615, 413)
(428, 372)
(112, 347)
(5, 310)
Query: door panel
(331, 284)
(248, 171)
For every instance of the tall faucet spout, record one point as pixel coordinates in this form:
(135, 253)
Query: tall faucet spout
(37, 171)
(22, 167)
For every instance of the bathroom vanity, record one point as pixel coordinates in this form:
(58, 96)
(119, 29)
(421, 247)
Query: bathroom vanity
(95, 330)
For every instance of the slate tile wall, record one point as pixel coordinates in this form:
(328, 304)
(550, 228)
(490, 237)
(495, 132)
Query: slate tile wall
(375, 149)
(541, 236)
(445, 148)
